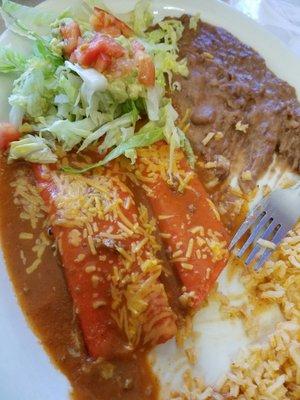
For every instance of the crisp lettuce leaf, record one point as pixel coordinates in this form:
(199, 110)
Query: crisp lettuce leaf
(68, 133)
(169, 115)
(42, 49)
(171, 133)
(168, 33)
(67, 98)
(131, 154)
(125, 121)
(16, 116)
(187, 147)
(32, 23)
(93, 82)
(145, 138)
(33, 91)
(153, 102)
(34, 149)
(194, 19)
(167, 63)
(175, 136)
(114, 137)
(25, 20)
(90, 4)
(152, 47)
(11, 61)
(111, 139)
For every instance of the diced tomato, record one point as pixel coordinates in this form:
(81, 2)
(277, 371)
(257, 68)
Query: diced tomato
(146, 69)
(88, 53)
(121, 67)
(137, 46)
(112, 31)
(8, 134)
(71, 34)
(103, 63)
(101, 20)
(109, 46)
(73, 57)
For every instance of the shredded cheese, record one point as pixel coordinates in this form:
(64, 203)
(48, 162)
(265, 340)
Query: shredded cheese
(208, 138)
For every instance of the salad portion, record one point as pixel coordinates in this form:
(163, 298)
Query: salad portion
(91, 81)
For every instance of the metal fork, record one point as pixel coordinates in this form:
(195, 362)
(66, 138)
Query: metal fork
(270, 220)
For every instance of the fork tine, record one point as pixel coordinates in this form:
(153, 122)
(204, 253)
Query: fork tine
(257, 212)
(265, 235)
(266, 254)
(262, 222)
(279, 235)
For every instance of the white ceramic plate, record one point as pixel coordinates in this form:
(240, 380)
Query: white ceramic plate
(25, 370)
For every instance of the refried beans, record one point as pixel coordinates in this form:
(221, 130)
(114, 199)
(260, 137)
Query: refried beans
(240, 112)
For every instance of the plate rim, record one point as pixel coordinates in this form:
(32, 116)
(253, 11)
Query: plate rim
(56, 381)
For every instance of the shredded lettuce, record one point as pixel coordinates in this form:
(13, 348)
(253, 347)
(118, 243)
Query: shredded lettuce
(94, 3)
(168, 64)
(162, 44)
(11, 61)
(142, 17)
(125, 120)
(32, 91)
(67, 98)
(25, 20)
(114, 137)
(153, 102)
(169, 115)
(175, 136)
(34, 149)
(146, 138)
(16, 116)
(111, 139)
(141, 139)
(150, 133)
(172, 29)
(33, 24)
(64, 103)
(42, 50)
(187, 147)
(93, 81)
(68, 133)
(194, 19)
